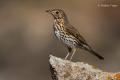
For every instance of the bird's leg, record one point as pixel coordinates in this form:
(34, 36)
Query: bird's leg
(73, 52)
(67, 55)
(69, 51)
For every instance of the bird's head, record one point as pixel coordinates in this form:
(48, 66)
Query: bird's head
(57, 13)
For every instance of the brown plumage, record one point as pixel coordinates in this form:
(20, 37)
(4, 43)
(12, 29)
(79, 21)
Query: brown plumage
(68, 35)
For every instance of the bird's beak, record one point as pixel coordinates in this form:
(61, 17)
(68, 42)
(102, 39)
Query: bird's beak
(48, 11)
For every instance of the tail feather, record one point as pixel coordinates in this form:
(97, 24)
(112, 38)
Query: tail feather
(97, 55)
(89, 49)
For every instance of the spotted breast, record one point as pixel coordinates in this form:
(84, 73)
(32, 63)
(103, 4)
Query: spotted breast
(62, 35)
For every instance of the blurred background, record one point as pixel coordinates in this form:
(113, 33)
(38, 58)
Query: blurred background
(27, 39)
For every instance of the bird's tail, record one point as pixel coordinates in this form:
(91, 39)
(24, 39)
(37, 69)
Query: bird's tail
(89, 49)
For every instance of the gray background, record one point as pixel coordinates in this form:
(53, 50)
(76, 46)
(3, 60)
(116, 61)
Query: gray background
(26, 36)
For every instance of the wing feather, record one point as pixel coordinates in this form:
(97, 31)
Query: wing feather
(74, 32)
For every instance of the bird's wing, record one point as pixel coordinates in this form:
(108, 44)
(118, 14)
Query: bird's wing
(74, 32)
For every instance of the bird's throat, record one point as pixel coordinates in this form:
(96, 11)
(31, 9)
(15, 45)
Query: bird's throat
(59, 24)
(59, 21)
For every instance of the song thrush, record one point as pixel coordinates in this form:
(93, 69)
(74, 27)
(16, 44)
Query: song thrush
(68, 35)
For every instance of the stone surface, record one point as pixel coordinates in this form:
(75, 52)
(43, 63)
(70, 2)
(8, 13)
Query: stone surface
(67, 70)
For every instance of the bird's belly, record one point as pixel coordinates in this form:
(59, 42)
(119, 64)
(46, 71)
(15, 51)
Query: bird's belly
(66, 39)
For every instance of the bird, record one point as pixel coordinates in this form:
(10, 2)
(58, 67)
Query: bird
(69, 35)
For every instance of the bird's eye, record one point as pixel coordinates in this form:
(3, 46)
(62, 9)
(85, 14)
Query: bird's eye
(57, 12)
